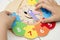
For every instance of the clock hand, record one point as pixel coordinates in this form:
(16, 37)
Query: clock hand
(33, 15)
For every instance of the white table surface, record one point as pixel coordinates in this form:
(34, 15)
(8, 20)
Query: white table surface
(53, 34)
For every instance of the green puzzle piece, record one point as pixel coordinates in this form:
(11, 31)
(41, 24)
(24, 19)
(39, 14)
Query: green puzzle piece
(18, 29)
(37, 0)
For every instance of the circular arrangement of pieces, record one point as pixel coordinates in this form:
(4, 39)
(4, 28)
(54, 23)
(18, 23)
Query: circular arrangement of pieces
(22, 29)
(31, 31)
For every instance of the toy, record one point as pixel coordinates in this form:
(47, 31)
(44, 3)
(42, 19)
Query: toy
(27, 20)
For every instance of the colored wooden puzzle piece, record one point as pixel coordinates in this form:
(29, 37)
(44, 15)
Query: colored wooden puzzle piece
(18, 29)
(42, 31)
(49, 25)
(31, 2)
(46, 13)
(37, 0)
(29, 32)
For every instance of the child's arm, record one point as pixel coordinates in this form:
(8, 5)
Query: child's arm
(52, 6)
(5, 22)
(3, 32)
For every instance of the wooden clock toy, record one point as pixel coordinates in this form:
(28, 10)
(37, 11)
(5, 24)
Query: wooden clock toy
(27, 19)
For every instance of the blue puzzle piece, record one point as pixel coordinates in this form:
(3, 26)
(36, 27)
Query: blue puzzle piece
(14, 24)
(46, 13)
(13, 14)
(17, 16)
(17, 19)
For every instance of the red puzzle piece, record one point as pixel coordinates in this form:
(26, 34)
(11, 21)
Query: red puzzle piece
(49, 25)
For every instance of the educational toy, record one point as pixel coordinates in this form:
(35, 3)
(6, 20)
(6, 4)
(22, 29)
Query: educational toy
(27, 23)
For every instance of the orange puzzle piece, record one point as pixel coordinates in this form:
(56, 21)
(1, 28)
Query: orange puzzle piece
(42, 31)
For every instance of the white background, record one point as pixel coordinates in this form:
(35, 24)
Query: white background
(53, 34)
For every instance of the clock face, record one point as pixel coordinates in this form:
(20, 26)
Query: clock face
(28, 14)
(26, 23)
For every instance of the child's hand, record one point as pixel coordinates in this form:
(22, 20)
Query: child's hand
(52, 6)
(5, 20)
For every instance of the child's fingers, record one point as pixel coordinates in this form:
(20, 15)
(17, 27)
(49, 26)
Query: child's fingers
(13, 18)
(11, 21)
(45, 1)
(52, 2)
(48, 7)
(6, 12)
(40, 1)
(51, 19)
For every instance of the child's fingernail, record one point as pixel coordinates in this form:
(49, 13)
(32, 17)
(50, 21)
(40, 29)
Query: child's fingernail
(43, 21)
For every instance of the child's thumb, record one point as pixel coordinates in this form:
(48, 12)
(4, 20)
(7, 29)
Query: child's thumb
(51, 19)
(13, 18)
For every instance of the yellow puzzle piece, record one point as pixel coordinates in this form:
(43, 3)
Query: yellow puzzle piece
(31, 2)
(30, 32)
